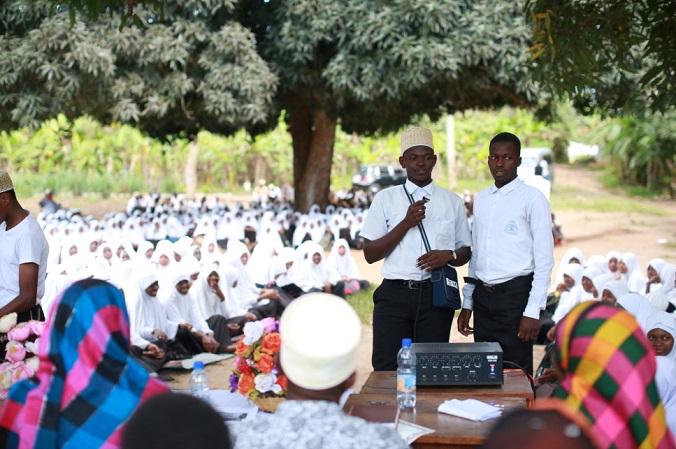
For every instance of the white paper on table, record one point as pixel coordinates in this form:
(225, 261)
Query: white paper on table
(410, 432)
(231, 406)
(470, 409)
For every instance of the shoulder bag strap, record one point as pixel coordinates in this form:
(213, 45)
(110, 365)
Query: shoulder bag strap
(423, 234)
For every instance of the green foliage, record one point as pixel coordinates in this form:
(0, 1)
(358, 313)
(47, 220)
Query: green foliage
(640, 149)
(188, 68)
(615, 55)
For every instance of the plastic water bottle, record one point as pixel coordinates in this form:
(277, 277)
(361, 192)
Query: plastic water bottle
(199, 382)
(406, 375)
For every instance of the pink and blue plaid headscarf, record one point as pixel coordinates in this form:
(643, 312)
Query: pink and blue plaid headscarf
(87, 384)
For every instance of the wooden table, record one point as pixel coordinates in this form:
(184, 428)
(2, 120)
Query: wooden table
(450, 431)
(516, 385)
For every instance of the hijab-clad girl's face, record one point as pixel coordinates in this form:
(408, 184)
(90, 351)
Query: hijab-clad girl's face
(107, 253)
(244, 258)
(164, 260)
(661, 340)
(342, 250)
(652, 273)
(183, 287)
(72, 250)
(316, 258)
(612, 264)
(587, 284)
(152, 290)
(623, 267)
(93, 246)
(568, 281)
(149, 252)
(608, 297)
(213, 279)
(574, 260)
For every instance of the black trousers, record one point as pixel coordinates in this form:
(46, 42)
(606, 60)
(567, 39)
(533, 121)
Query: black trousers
(400, 312)
(497, 317)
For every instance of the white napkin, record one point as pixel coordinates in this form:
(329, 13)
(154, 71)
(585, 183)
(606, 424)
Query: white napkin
(470, 409)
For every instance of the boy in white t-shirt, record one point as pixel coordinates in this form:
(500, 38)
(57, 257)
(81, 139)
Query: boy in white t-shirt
(23, 259)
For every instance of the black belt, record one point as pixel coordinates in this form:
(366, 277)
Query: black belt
(503, 286)
(413, 285)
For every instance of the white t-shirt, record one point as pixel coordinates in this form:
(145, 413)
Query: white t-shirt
(24, 243)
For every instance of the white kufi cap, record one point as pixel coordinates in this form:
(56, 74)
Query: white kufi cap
(5, 182)
(416, 136)
(320, 337)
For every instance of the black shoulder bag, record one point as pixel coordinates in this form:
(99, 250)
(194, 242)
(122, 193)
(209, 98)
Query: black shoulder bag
(445, 291)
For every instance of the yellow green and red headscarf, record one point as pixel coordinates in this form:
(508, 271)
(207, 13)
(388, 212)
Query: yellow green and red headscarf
(609, 375)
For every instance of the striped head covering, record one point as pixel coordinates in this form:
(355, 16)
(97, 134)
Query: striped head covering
(87, 383)
(609, 375)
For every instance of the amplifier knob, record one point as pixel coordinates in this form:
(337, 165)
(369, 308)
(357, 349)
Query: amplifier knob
(472, 377)
(477, 361)
(466, 361)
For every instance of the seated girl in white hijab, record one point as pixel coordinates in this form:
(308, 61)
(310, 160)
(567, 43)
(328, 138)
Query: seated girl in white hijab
(216, 305)
(182, 310)
(317, 276)
(665, 378)
(341, 261)
(661, 332)
(612, 291)
(631, 272)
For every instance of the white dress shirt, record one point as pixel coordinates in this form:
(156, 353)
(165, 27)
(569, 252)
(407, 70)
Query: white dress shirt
(445, 224)
(511, 237)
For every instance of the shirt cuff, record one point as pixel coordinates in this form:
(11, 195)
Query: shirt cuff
(467, 292)
(532, 311)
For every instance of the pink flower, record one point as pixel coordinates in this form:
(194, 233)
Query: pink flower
(22, 372)
(20, 332)
(15, 351)
(269, 324)
(37, 327)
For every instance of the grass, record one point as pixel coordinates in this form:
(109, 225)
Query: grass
(571, 198)
(362, 302)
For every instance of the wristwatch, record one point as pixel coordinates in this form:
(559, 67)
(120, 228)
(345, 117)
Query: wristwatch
(455, 256)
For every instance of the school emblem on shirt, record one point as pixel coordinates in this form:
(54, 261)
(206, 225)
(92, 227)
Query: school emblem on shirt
(511, 227)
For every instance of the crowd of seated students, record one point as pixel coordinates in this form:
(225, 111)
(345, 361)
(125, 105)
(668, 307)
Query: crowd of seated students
(118, 311)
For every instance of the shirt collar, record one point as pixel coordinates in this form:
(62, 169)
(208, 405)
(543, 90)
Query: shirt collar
(507, 188)
(428, 190)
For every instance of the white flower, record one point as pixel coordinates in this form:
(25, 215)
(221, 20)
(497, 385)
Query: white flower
(253, 331)
(33, 363)
(265, 382)
(7, 322)
(32, 346)
(5, 375)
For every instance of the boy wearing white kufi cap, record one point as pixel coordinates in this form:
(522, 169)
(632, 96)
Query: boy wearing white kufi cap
(320, 336)
(23, 257)
(391, 234)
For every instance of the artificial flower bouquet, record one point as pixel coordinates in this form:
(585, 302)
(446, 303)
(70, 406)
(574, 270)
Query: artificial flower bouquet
(255, 373)
(21, 357)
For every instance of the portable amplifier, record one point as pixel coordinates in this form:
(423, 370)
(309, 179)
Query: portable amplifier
(458, 363)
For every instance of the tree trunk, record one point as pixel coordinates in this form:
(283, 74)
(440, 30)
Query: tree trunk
(313, 132)
(191, 170)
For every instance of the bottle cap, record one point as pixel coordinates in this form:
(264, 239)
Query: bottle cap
(198, 365)
(406, 342)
